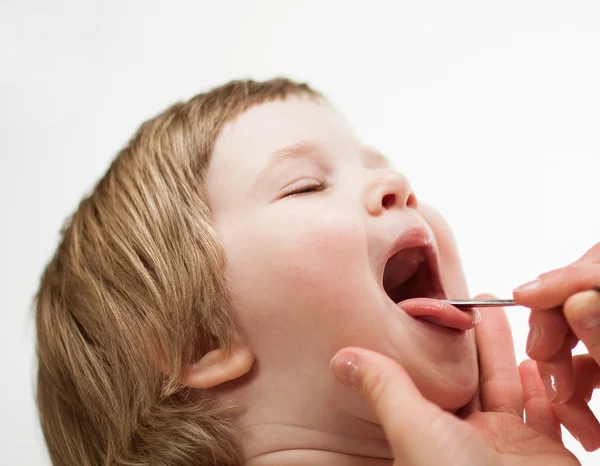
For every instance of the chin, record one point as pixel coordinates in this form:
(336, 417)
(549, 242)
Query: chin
(452, 391)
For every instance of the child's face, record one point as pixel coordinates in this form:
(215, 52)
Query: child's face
(306, 270)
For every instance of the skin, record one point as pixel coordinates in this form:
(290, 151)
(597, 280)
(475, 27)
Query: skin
(494, 434)
(305, 274)
(565, 307)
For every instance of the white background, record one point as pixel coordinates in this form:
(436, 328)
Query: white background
(492, 109)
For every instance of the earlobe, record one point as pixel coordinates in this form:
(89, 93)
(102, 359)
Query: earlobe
(217, 367)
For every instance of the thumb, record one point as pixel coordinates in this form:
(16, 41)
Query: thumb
(582, 311)
(418, 431)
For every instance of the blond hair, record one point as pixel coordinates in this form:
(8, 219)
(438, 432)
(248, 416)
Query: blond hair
(135, 290)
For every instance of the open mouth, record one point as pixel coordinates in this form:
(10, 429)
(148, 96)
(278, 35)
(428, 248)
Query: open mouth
(412, 273)
(411, 279)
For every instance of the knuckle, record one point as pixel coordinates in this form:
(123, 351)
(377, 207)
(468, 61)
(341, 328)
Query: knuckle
(594, 251)
(582, 302)
(592, 254)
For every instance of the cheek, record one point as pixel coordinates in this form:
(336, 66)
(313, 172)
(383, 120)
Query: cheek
(450, 264)
(329, 251)
(294, 268)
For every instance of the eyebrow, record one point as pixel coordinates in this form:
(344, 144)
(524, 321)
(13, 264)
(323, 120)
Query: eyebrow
(297, 150)
(304, 149)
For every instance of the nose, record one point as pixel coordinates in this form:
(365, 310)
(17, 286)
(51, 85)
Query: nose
(388, 189)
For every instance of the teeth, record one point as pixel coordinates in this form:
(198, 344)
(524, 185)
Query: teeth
(401, 267)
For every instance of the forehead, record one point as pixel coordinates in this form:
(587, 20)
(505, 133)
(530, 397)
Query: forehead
(245, 144)
(265, 128)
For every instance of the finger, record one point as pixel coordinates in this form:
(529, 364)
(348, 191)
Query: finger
(587, 376)
(553, 288)
(557, 375)
(571, 338)
(582, 312)
(408, 419)
(547, 332)
(579, 420)
(474, 404)
(500, 384)
(592, 255)
(538, 410)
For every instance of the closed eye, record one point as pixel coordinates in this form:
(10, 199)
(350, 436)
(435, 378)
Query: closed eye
(306, 188)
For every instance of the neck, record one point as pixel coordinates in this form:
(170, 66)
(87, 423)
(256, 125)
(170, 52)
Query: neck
(270, 445)
(305, 421)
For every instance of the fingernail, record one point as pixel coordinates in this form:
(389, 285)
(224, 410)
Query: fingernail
(344, 367)
(530, 286)
(476, 316)
(532, 338)
(550, 386)
(586, 441)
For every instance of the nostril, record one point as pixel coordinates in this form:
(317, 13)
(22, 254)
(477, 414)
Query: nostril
(412, 201)
(388, 201)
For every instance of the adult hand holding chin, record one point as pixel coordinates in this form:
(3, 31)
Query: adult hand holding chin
(492, 432)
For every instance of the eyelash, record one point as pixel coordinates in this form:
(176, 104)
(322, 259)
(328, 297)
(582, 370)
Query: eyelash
(310, 188)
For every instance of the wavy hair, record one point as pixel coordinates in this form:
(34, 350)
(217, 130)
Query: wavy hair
(135, 290)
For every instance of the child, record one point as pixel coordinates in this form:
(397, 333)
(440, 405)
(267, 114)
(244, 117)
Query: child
(199, 292)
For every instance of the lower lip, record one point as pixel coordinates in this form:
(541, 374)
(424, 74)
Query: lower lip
(440, 329)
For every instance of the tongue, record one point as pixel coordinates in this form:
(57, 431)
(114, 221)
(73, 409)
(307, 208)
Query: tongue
(439, 312)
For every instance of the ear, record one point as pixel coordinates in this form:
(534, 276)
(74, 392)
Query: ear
(218, 366)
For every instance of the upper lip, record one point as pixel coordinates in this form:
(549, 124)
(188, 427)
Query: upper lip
(419, 237)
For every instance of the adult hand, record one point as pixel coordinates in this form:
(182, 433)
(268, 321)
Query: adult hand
(565, 307)
(421, 433)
